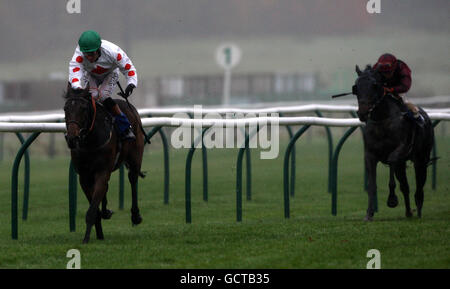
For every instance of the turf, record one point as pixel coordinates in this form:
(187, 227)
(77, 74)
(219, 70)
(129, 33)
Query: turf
(311, 238)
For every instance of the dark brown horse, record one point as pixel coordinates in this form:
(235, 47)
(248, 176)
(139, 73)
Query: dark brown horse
(393, 139)
(96, 152)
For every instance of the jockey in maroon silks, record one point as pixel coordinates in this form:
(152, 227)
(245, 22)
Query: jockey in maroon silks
(396, 78)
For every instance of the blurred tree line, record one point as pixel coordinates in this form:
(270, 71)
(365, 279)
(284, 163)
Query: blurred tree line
(27, 26)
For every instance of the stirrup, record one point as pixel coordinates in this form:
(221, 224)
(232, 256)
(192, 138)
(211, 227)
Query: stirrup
(128, 135)
(417, 119)
(420, 121)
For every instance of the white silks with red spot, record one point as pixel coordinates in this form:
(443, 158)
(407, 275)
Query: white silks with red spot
(112, 57)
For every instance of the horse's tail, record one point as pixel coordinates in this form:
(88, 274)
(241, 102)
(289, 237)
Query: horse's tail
(147, 140)
(138, 119)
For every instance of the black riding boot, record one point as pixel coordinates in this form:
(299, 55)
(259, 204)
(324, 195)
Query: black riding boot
(124, 127)
(416, 118)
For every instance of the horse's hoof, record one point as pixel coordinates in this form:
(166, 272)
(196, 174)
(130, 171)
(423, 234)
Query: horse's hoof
(409, 214)
(85, 241)
(418, 211)
(392, 202)
(136, 220)
(107, 214)
(368, 218)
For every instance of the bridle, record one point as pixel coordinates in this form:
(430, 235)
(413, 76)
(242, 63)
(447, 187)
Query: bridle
(84, 131)
(372, 108)
(377, 102)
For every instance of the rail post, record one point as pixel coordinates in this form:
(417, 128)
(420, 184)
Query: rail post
(293, 165)
(14, 184)
(334, 165)
(286, 169)
(239, 173)
(205, 166)
(248, 167)
(434, 156)
(188, 176)
(166, 165)
(330, 150)
(158, 129)
(26, 183)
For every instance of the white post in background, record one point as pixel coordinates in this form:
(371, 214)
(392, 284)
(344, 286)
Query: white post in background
(226, 87)
(228, 55)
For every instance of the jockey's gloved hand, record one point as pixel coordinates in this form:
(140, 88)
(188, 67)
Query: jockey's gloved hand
(129, 89)
(388, 90)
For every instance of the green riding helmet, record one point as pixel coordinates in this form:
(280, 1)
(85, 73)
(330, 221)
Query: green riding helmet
(89, 41)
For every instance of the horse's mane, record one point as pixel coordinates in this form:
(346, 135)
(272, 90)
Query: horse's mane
(368, 68)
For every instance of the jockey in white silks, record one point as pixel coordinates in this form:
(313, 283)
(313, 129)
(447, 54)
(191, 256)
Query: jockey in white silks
(97, 63)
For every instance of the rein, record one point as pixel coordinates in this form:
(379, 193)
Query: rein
(372, 108)
(375, 106)
(93, 100)
(94, 106)
(83, 133)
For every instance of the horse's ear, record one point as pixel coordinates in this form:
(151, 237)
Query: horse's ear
(358, 71)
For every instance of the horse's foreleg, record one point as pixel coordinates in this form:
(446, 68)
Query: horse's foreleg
(400, 173)
(371, 166)
(392, 199)
(87, 184)
(136, 218)
(98, 226)
(421, 177)
(93, 216)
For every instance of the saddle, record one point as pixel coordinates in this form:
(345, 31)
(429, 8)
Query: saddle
(406, 111)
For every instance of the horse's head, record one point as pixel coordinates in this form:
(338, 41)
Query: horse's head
(77, 110)
(368, 90)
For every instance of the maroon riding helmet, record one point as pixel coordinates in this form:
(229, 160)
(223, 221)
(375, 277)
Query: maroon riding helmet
(386, 64)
